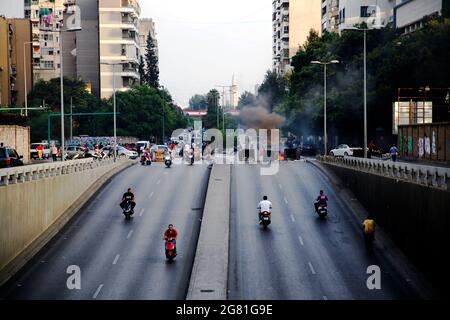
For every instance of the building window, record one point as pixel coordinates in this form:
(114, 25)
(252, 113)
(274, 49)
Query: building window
(367, 11)
(286, 29)
(47, 64)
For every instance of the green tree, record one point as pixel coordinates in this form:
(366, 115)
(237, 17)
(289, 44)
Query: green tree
(272, 90)
(210, 120)
(141, 71)
(151, 75)
(198, 102)
(246, 99)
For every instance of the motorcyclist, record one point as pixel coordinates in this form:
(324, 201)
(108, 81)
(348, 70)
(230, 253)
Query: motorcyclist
(321, 200)
(264, 205)
(128, 197)
(171, 233)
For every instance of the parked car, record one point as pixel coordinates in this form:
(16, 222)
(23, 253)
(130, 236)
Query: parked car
(142, 145)
(72, 151)
(122, 151)
(344, 150)
(33, 151)
(10, 158)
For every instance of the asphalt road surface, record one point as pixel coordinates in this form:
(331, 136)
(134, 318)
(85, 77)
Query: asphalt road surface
(122, 259)
(300, 257)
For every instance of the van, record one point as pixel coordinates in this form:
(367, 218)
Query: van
(142, 145)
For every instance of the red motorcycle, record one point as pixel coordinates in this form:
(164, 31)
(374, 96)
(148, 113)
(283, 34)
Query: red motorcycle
(146, 159)
(171, 251)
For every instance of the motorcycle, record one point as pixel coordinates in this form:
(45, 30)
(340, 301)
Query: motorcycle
(168, 161)
(171, 251)
(127, 210)
(265, 219)
(322, 210)
(146, 160)
(191, 159)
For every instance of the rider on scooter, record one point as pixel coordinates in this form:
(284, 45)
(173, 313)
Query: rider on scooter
(321, 200)
(171, 233)
(128, 197)
(264, 205)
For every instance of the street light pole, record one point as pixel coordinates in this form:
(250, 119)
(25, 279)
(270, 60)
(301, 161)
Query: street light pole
(62, 95)
(71, 119)
(25, 78)
(365, 95)
(114, 110)
(325, 137)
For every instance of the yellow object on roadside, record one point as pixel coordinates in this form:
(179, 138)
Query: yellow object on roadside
(369, 226)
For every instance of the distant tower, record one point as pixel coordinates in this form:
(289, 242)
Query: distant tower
(234, 94)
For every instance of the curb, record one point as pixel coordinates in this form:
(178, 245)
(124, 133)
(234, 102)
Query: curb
(209, 276)
(33, 248)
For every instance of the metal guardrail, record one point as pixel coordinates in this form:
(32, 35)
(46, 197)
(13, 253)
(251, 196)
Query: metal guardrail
(435, 177)
(41, 171)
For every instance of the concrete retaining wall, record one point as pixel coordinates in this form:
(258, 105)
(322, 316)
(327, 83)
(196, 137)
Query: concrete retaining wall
(415, 216)
(209, 275)
(31, 212)
(17, 137)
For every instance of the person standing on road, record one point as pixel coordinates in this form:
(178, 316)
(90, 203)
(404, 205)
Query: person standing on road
(54, 152)
(40, 151)
(394, 152)
(368, 227)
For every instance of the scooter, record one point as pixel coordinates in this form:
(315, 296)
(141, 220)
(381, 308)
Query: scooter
(128, 211)
(146, 160)
(168, 161)
(265, 219)
(171, 251)
(322, 210)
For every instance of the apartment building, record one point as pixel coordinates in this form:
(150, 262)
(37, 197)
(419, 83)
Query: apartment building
(46, 20)
(410, 14)
(292, 21)
(147, 27)
(119, 44)
(15, 61)
(330, 15)
(375, 13)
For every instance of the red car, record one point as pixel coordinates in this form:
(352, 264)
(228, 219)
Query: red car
(10, 158)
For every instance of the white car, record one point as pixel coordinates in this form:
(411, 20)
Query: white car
(33, 151)
(343, 150)
(127, 153)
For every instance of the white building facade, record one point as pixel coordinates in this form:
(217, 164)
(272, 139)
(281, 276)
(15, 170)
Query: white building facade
(410, 14)
(119, 44)
(46, 18)
(146, 28)
(330, 15)
(375, 13)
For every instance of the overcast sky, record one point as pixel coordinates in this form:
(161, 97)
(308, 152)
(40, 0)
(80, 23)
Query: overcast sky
(203, 42)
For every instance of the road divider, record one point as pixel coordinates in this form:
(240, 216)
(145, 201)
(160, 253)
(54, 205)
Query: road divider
(209, 277)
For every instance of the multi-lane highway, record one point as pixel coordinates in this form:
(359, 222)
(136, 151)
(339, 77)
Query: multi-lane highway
(300, 256)
(122, 259)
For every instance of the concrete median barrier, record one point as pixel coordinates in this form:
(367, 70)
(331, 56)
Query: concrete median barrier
(209, 275)
(35, 205)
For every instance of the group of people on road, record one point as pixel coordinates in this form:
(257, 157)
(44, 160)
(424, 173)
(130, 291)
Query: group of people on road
(368, 225)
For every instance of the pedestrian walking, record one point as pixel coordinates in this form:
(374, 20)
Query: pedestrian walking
(54, 152)
(40, 151)
(394, 152)
(372, 147)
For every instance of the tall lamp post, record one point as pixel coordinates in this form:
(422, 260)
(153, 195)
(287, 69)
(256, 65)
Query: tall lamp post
(25, 77)
(62, 86)
(325, 139)
(364, 30)
(114, 103)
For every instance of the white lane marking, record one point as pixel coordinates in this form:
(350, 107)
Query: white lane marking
(150, 195)
(325, 298)
(159, 181)
(301, 240)
(98, 291)
(312, 268)
(285, 200)
(129, 234)
(292, 218)
(116, 258)
(141, 213)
